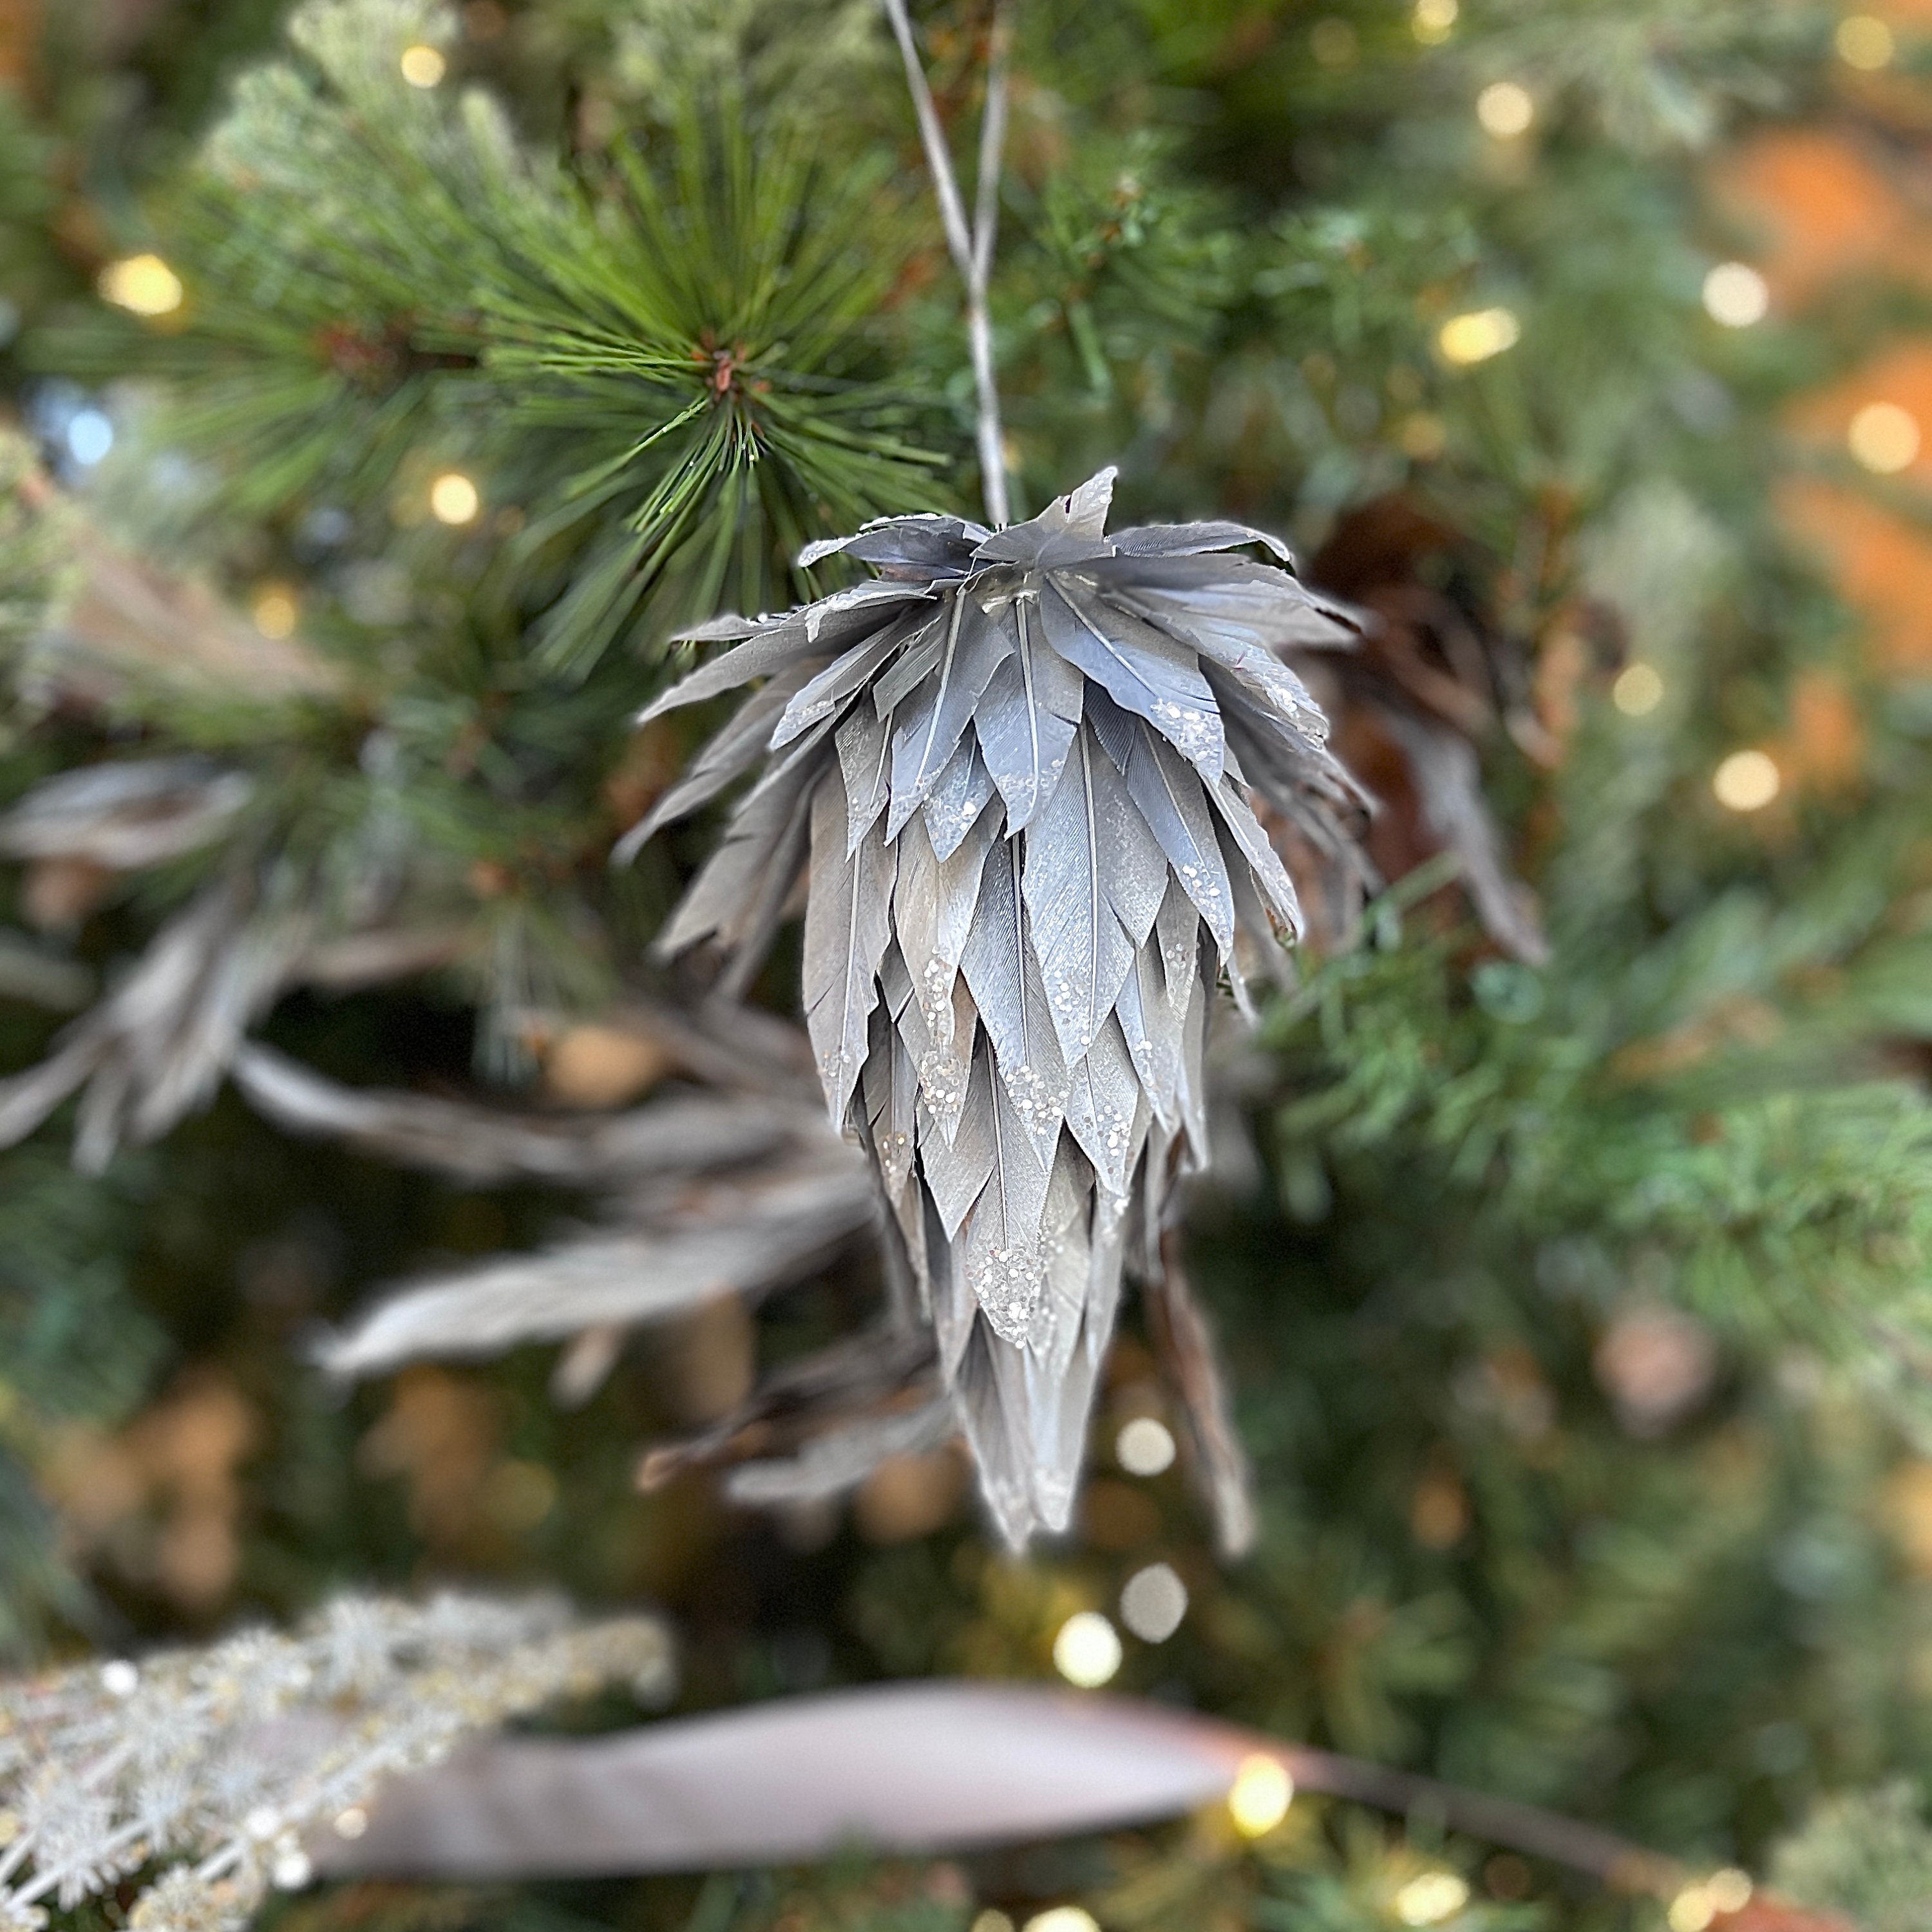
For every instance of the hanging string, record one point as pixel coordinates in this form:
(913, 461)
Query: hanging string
(971, 246)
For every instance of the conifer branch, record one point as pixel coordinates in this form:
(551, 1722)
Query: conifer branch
(971, 247)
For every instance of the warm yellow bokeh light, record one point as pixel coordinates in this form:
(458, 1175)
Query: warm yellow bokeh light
(423, 65)
(273, 610)
(1884, 438)
(1865, 42)
(1086, 1652)
(1638, 691)
(1258, 1799)
(1729, 1890)
(1476, 337)
(143, 284)
(1431, 1898)
(1062, 1918)
(1505, 110)
(1433, 20)
(454, 498)
(1692, 1910)
(1746, 781)
(1145, 1447)
(1735, 295)
(992, 1920)
(1422, 436)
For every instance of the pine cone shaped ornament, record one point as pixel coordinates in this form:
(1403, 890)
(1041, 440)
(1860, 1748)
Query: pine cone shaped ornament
(1020, 769)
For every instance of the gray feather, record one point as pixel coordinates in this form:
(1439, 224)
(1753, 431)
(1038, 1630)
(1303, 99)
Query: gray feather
(1141, 669)
(1085, 952)
(958, 801)
(1027, 717)
(847, 924)
(975, 647)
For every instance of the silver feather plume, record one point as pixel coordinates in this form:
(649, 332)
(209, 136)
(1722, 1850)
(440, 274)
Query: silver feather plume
(1021, 769)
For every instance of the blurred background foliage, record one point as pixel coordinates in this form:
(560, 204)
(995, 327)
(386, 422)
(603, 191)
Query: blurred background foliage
(1579, 1310)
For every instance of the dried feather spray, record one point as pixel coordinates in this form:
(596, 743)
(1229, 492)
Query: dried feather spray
(1436, 676)
(1020, 769)
(218, 1764)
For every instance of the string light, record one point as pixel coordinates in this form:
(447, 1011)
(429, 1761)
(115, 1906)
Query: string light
(292, 1870)
(1258, 1799)
(1865, 42)
(1334, 44)
(1638, 691)
(1422, 436)
(1730, 1889)
(1692, 1910)
(454, 498)
(1144, 1448)
(423, 65)
(1735, 295)
(120, 1678)
(90, 436)
(1152, 1603)
(1746, 781)
(1476, 336)
(1505, 110)
(142, 284)
(1884, 438)
(1430, 1898)
(1433, 20)
(1086, 1652)
(273, 610)
(1063, 1918)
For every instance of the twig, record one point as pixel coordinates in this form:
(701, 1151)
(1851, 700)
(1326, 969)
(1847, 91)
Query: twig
(1617, 1862)
(971, 247)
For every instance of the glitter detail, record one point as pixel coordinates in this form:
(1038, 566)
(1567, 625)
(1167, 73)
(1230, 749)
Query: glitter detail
(1007, 1282)
(942, 1081)
(1195, 733)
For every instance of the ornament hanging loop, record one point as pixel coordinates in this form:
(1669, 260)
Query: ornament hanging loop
(970, 245)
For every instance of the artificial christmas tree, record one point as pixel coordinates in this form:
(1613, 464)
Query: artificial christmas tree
(395, 387)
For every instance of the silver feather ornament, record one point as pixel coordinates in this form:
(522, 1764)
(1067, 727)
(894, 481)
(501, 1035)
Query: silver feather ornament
(1022, 770)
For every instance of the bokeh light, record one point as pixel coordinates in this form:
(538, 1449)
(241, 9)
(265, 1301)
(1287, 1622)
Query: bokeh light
(141, 284)
(1736, 294)
(274, 610)
(1152, 1603)
(1505, 110)
(1430, 1898)
(1258, 1799)
(1883, 438)
(1086, 1652)
(90, 436)
(1062, 1918)
(1746, 781)
(1434, 20)
(423, 65)
(1730, 1889)
(1865, 42)
(1638, 691)
(454, 498)
(1477, 335)
(1145, 1447)
(1692, 1910)
(1334, 43)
